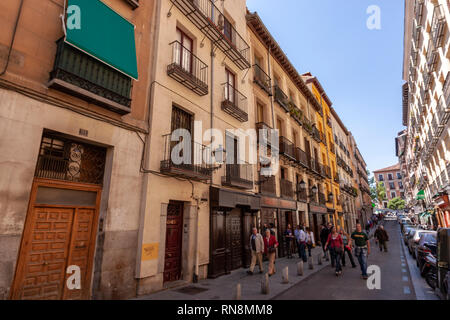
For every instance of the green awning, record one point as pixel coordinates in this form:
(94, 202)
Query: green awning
(103, 34)
(420, 195)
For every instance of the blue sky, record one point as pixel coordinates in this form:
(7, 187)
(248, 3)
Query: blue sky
(360, 69)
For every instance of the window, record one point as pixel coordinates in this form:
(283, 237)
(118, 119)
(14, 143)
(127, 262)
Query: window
(399, 175)
(402, 194)
(380, 177)
(260, 112)
(400, 185)
(228, 29)
(393, 195)
(280, 127)
(390, 176)
(391, 185)
(230, 86)
(184, 52)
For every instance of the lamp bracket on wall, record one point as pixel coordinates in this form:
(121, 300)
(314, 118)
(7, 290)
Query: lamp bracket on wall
(169, 14)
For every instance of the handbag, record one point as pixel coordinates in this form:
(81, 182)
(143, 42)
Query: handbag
(271, 249)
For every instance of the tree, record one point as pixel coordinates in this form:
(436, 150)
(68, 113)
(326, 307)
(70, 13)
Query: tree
(396, 204)
(373, 188)
(380, 192)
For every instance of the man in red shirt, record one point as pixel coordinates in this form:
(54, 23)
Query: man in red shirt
(270, 249)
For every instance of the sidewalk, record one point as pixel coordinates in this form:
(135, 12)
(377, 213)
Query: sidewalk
(224, 288)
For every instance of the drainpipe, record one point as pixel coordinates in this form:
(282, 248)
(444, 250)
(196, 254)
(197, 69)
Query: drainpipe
(270, 83)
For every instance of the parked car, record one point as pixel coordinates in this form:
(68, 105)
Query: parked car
(427, 244)
(443, 261)
(408, 234)
(414, 240)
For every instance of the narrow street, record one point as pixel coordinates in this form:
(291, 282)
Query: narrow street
(397, 280)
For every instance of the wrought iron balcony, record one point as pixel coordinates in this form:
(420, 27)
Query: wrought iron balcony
(238, 176)
(432, 57)
(296, 113)
(210, 20)
(191, 164)
(188, 70)
(301, 157)
(81, 75)
(414, 57)
(438, 26)
(287, 149)
(281, 98)
(262, 79)
(443, 114)
(418, 11)
(337, 178)
(302, 194)
(234, 103)
(263, 127)
(268, 185)
(323, 139)
(427, 81)
(412, 73)
(322, 199)
(287, 190)
(329, 122)
(424, 96)
(417, 31)
(316, 134)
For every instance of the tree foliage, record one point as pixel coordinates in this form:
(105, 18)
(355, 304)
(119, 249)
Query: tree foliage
(380, 192)
(396, 204)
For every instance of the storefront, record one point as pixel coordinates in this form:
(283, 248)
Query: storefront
(280, 212)
(317, 217)
(233, 215)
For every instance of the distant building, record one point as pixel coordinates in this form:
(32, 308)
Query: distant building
(392, 179)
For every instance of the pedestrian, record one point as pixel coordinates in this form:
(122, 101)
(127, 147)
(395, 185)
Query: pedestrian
(301, 243)
(257, 248)
(289, 237)
(362, 249)
(309, 240)
(382, 238)
(272, 229)
(347, 247)
(336, 246)
(270, 250)
(324, 233)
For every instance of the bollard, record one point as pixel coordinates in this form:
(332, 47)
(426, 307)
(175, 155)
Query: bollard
(285, 275)
(319, 259)
(238, 292)
(300, 268)
(310, 263)
(265, 284)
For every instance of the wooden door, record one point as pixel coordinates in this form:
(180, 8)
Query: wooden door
(174, 233)
(236, 239)
(57, 236)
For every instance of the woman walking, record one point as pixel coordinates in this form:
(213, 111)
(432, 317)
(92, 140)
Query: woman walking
(347, 247)
(309, 240)
(336, 246)
(270, 249)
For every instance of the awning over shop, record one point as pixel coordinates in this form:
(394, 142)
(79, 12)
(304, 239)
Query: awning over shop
(103, 34)
(420, 195)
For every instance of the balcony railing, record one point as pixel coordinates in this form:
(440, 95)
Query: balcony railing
(302, 194)
(322, 199)
(427, 81)
(301, 157)
(432, 57)
(261, 127)
(418, 10)
(414, 57)
(268, 185)
(316, 134)
(234, 103)
(336, 178)
(262, 79)
(333, 148)
(281, 98)
(83, 76)
(438, 26)
(239, 176)
(188, 70)
(287, 149)
(424, 96)
(443, 114)
(210, 20)
(191, 163)
(287, 190)
(417, 31)
(323, 139)
(296, 113)
(329, 122)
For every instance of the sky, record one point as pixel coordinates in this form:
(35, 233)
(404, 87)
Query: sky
(360, 69)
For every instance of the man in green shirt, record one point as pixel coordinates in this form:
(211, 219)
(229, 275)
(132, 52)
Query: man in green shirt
(362, 248)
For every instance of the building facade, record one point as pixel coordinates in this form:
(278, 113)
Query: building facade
(71, 121)
(392, 180)
(426, 100)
